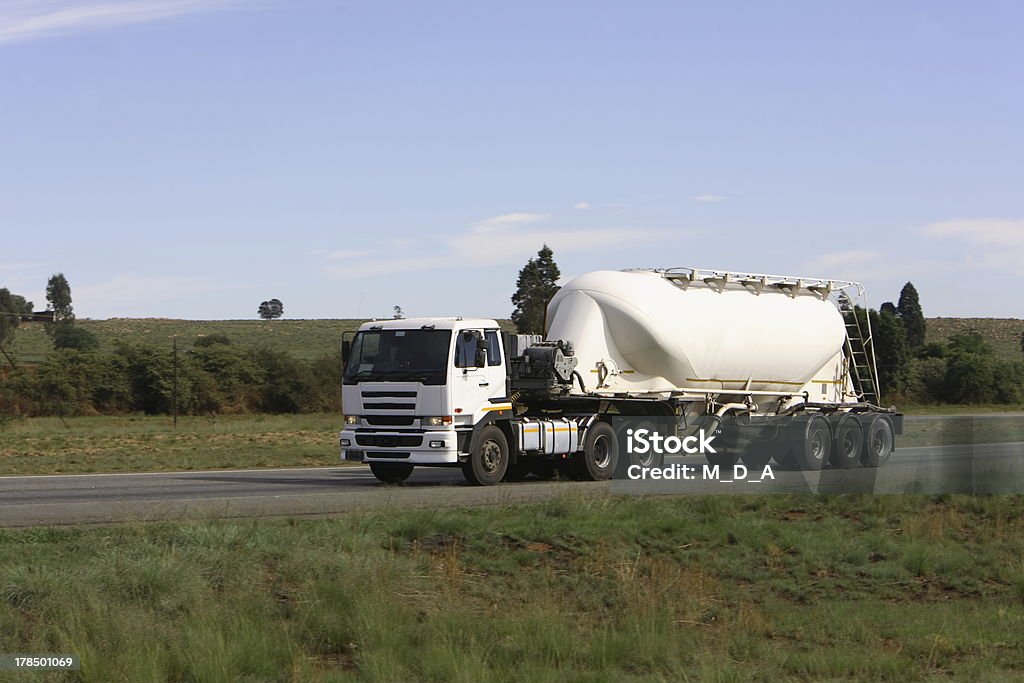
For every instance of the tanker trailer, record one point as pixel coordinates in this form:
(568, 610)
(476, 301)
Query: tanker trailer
(771, 367)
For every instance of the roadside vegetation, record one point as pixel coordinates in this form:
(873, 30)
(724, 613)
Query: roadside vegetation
(767, 588)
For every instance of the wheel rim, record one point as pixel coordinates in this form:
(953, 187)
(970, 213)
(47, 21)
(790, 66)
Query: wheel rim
(490, 456)
(602, 451)
(880, 443)
(849, 445)
(817, 446)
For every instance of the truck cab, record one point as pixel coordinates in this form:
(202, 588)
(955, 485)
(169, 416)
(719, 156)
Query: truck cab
(415, 389)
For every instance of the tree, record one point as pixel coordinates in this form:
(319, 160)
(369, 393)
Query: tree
(892, 353)
(398, 313)
(12, 307)
(271, 309)
(70, 336)
(58, 298)
(534, 289)
(909, 309)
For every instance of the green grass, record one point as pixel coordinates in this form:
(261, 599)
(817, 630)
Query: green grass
(48, 445)
(770, 588)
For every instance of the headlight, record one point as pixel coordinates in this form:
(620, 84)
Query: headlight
(437, 421)
(351, 419)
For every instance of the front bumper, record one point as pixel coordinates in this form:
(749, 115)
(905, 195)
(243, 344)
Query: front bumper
(384, 446)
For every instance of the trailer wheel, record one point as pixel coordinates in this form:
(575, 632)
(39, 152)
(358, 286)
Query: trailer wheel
(599, 456)
(391, 473)
(878, 442)
(488, 462)
(813, 453)
(849, 442)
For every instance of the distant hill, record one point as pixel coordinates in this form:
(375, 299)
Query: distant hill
(310, 339)
(1003, 333)
(304, 339)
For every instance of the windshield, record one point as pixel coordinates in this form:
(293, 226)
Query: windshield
(399, 356)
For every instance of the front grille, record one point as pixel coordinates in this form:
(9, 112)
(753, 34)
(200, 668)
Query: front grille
(389, 394)
(389, 420)
(389, 406)
(388, 454)
(389, 440)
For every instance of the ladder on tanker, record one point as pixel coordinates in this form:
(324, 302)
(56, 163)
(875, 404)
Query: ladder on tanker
(859, 348)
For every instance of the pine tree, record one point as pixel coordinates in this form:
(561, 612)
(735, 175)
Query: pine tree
(909, 310)
(534, 289)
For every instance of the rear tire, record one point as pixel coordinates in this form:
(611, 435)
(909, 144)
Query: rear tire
(813, 452)
(599, 456)
(848, 445)
(488, 462)
(391, 473)
(878, 442)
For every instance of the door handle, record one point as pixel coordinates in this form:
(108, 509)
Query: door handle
(485, 384)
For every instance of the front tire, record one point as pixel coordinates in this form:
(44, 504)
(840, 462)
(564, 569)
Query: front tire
(391, 473)
(600, 454)
(488, 462)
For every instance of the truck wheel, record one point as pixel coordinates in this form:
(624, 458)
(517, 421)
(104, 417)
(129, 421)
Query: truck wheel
(599, 456)
(488, 462)
(391, 473)
(849, 442)
(878, 442)
(813, 453)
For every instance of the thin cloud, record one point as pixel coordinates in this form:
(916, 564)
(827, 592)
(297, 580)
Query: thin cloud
(340, 254)
(506, 219)
(24, 21)
(708, 198)
(583, 206)
(995, 244)
(129, 293)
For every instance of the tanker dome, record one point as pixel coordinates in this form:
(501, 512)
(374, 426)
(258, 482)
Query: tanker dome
(642, 331)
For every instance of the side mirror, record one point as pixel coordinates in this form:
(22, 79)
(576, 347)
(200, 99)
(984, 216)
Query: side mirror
(481, 356)
(346, 348)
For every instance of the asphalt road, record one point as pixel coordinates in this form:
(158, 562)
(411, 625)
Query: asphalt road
(309, 492)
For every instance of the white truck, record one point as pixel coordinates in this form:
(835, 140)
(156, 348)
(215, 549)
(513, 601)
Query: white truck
(775, 367)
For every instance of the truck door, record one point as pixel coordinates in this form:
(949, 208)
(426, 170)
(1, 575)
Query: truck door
(475, 387)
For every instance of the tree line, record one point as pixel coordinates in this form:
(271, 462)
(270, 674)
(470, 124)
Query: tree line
(212, 376)
(963, 369)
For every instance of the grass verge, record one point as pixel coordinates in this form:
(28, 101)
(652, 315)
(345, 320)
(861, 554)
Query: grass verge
(770, 588)
(152, 444)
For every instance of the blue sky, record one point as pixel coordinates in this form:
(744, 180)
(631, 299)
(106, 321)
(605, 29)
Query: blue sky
(191, 158)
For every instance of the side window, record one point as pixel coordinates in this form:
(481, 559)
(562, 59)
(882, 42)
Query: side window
(465, 351)
(493, 347)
